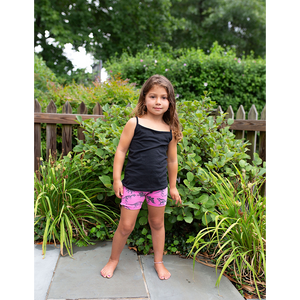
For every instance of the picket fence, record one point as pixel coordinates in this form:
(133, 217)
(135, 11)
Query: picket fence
(242, 128)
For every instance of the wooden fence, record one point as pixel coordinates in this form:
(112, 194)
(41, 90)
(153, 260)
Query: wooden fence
(242, 127)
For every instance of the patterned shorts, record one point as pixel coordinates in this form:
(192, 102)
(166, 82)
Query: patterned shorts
(134, 199)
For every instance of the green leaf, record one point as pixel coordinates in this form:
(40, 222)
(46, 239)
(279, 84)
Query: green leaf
(190, 130)
(106, 180)
(114, 126)
(229, 154)
(79, 118)
(203, 198)
(99, 152)
(144, 231)
(192, 205)
(206, 219)
(187, 183)
(230, 121)
(140, 241)
(242, 163)
(190, 176)
(172, 219)
(188, 219)
(190, 239)
(116, 141)
(168, 210)
(209, 203)
(143, 220)
(180, 218)
(257, 160)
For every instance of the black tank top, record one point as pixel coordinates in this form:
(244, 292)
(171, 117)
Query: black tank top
(146, 169)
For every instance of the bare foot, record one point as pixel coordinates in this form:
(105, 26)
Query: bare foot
(161, 270)
(108, 270)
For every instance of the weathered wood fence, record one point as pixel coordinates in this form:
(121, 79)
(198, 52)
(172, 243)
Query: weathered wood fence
(242, 127)
(52, 118)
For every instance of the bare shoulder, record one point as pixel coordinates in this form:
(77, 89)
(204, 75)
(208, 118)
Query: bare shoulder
(130, 125)
(131, 121)
(127, 135)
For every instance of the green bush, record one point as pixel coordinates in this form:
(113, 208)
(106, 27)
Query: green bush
(237, 239)
(231, 80)
(115, 91)
(66, 202)
(205, 144)
(101, 140)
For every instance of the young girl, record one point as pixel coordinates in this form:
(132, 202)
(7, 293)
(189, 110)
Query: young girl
(151, 138)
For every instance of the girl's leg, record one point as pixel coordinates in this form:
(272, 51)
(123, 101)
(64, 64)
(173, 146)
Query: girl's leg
(125, 227)
(156, 222)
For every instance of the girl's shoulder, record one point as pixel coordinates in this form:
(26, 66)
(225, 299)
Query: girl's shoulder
(131, 124)
(132, 121)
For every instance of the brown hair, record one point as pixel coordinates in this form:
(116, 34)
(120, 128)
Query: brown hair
(170, 116)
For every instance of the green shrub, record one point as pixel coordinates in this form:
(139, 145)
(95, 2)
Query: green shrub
(66, 202)
(101, 140)
(206, 144)
(231, 80)
(116, 91)
(237, 238)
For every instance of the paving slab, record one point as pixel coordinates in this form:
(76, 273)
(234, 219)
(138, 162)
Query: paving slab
(43, 269)
(79, 277)
(185, 284)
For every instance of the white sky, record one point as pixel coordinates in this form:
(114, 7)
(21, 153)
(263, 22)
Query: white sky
(80, 59)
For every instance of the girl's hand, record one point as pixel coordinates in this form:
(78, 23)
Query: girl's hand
(175, 195)
(118, 188)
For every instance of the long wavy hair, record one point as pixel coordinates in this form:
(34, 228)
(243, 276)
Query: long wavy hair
(170, 116)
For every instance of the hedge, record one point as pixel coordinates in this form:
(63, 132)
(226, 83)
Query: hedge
(231, 80)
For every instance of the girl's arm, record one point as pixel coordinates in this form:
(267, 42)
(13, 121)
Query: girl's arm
(120, 155)
(172, 170)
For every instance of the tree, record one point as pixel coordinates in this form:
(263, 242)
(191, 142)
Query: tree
(102, 28)
(237, 23)
(108, 27)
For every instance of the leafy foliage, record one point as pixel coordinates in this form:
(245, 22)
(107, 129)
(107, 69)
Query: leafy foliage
(103, 28)
(114, 91)
(101, 141)
(205, 144)
(48, 87)
(63, 205)
(238, 235)
(106, 28)
(231, 80)
(233, 23)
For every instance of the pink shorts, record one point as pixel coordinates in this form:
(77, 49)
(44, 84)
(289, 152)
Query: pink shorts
(134, 199)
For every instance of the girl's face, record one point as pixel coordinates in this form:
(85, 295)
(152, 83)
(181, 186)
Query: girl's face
(156, 100)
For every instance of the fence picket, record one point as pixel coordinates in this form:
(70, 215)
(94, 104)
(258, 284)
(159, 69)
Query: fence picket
(219, 111)
(82, 109)
(262, 138)
(251, 135)
(37, 138)
(229, 114)
(51, 133)
(67, 131)
(97, 109)
(240, 115)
